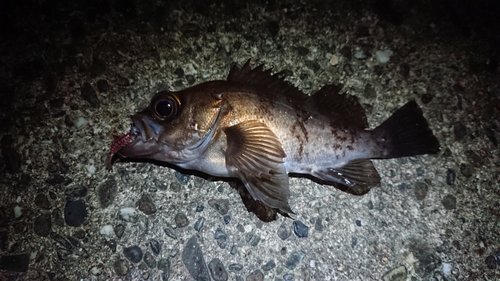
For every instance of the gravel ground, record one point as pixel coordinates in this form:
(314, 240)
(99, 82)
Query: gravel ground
(72, 73)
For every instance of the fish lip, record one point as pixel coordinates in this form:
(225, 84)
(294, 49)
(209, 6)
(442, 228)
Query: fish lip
(144, 128)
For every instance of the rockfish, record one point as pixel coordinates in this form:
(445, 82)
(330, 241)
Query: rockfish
(258, 128)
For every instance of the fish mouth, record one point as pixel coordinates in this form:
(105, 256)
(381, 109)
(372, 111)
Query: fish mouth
(142, 131)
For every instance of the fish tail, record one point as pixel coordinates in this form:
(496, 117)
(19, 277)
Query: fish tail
(405, 133)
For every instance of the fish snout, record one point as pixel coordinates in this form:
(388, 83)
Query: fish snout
(145, 127)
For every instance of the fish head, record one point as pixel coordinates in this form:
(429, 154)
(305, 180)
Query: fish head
(176, 127)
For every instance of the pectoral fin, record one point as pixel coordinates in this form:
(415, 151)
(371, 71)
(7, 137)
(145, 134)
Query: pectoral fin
(255, 156)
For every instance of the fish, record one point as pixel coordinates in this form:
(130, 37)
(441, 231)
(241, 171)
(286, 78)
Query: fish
(260, 129)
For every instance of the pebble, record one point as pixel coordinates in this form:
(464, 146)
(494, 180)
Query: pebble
(200, 208)
(346, 52)
(75, 213)
(89, 95)
(107, 192)
(420, 171)
(61, 240)
(79, 234)
(318, 225)
(217, 270)
(155, 246)
(42, 225)
(491, 262)
(235, 267)
(146, 205)
(12, 160)
(294, 259)
(334, 60)
(252, 239)
(490, 133)
(227, 219)
(182, 178)
(449, 202)
(474, 158)
(450, 177)
(300, 229)
(459, 130)
(149, 260)
(170, 232)
(179, 72)
(426, 98)
(421, 189)
(102, 86)
(233, 250)
(120, 267)
(284, 231)
(383, 56)
(128, 214)
(181, 220)
(164, 266)
(221, 238)
(194, 261)
(354, 241)
(42, 201)
(190, 79)
(269, 265)
(288, 277)
(17, 263)
(175, 187)
(358, 223)
(466, 170)
(198, 225)
(119, 230)
(370, 91)
(220, 205)
(446, 268)
(257, 275)
(133, 253)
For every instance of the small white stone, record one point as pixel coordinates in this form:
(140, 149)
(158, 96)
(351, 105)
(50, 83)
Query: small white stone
(107, 230)
(334, 60)
(383, 56)
(447, 268)
(95, 270)
(126, 213)
(312, 263)
(248, 228)
(81, 122)
(91, 169)
(17, 211)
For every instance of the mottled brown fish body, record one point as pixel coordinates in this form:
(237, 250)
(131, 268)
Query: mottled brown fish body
(258, 128)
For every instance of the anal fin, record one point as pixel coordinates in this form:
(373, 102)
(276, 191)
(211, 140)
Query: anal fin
(356, 177)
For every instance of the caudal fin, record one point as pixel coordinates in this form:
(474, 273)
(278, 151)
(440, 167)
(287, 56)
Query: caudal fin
(405, 133)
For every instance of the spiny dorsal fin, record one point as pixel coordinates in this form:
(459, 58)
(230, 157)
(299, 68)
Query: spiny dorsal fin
(274, 85)
(343, 110)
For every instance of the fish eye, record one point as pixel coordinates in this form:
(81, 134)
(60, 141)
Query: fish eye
(167, 107)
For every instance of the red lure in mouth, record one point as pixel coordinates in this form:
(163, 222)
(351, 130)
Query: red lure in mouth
(119, 142)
